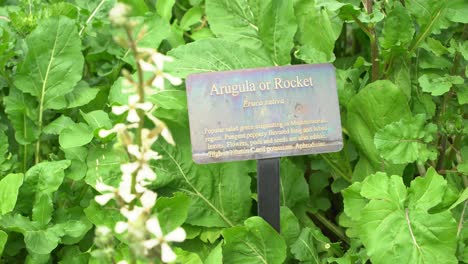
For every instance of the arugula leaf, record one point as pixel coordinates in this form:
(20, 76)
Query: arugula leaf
(419, 236)
(53, 63)
(256, 242)
(9, 187)
(264, 26)
(377, 105)
(406, 140)
(438, 85)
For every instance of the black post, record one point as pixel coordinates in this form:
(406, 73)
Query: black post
(268, 188)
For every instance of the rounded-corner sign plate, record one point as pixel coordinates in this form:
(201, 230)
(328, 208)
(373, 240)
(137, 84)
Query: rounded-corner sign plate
(263, 113)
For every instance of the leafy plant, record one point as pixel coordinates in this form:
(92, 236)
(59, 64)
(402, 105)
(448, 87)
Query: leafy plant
(395, 193)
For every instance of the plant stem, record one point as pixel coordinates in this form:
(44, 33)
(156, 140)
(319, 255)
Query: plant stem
(91, 16)
(331, 226)
(141, 95)
(373, 42)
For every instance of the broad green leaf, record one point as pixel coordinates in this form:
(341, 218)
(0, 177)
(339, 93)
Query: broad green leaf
(377, 105)
(42, 179)
(20, 109)
(9, 187)
(172, 212)
(397, 217)
(78, 167)
(73, 255)
(75, 135)
(438, 85)
(262, 26)
(256, 242)
(104, 162)
(97, 119)
(407, 140)
(170, 99)
(304, 248)
(290, 228)
(209, 55)
(81, 95)
(398, 30)
(293, 186)
(41, 241)
(3, 240)
(43, 209)
(164, 8)
(187, 257)
(191, 17)
(219, 193)
(430, 14)
(216, 255)
(53, 63)
(316, 45)
(55, 127)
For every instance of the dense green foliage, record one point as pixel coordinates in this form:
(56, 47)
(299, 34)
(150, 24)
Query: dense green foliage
(396, 193)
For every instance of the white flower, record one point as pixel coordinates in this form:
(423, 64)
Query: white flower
(121, 227)
(118, 14)
(142, 164)
(125, 188)
(157, 69)
(177, 235)
(165, 133)
(118, 128)
(148, 199)
(133, 104)
(108, 192)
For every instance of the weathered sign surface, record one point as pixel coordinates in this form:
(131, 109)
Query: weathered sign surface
(263, 113)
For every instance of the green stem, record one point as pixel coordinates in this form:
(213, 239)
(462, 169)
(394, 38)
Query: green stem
(425, 32)
(141, 95)
(332, 227)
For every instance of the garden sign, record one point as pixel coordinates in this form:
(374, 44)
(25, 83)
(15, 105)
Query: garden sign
(264, 114)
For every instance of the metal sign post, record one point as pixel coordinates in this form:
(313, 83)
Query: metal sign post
(268, 189)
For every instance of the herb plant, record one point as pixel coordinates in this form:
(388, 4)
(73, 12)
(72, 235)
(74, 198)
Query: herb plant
(95, 155)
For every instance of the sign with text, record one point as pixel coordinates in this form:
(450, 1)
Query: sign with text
(263, 113)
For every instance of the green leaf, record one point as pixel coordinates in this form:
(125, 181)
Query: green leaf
(170, 99)
(78, 167)
(217, 56)
(406, 140)
(463, 197)
(20, 109)
(304, 248)
(256, 242)
(43, 209)
(397, 217)
(42, 179)
(438, 85)
(3, 240)
(293, 186)
(290, 228)
(219, 193)
(191, 17)
(9, 187)
(377, 105)
(316, 45)
(75, 135)
(172, 212)
(97, 119)
(263, 26)
(55, 127)
(81, 95)
(398, 30)
(164, 8)
(53, 64)
(216, 255)
(187, 257)
(41, 241)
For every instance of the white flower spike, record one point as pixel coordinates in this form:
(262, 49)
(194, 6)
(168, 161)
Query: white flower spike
(131, 108)
(178, 235)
